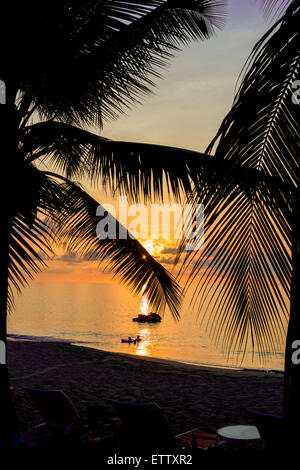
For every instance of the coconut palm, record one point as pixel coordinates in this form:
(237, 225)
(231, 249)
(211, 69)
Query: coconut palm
(249, 266)
(66, 65)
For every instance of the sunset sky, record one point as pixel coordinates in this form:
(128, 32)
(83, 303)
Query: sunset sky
(185, 111)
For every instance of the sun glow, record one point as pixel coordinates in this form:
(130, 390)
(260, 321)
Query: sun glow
(154, 247)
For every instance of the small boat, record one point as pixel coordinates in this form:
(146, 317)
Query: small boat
(150, 318)
(127, 340)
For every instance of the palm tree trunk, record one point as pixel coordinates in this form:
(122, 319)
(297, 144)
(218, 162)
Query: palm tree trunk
(292, 354)
(8, 422)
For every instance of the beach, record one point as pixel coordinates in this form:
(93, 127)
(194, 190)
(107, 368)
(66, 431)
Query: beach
(190, 396)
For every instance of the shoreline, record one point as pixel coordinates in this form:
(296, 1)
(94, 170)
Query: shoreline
(216, 367)
(222, 370)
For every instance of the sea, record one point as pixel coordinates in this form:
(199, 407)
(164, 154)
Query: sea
(100, 315)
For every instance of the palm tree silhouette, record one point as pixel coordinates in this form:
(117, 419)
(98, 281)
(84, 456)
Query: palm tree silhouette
(67, 65)
(249, 266)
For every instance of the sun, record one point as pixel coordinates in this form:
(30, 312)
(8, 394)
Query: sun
(154, 247)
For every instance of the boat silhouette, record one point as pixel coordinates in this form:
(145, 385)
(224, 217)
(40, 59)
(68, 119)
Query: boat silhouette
(150, 318)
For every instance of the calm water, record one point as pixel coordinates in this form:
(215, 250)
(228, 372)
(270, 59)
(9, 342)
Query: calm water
(99, 315)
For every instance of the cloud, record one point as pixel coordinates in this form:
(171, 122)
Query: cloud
(70, 258)
(167, 260)
(169, 250)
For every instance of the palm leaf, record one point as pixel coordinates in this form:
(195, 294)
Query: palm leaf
(245, 267)
(95, 58)
(31, 237)
(275, 7)
(64, 213)
(243, 272)
(263, 118)
(136, 169)
(130, 261)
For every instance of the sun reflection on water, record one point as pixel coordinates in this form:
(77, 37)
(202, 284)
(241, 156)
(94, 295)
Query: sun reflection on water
(144, 308)
(145, 346)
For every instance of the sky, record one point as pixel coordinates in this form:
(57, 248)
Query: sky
(185, 110)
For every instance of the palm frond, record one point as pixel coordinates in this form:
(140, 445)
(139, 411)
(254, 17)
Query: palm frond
(64, 213)
(126, 257)
(31, 238)
(136, 169)
(95, 58)
(245, 267)
(243, 273)
(262, 128)
(275, 7)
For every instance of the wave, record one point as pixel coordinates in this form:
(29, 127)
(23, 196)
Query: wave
(37, 338)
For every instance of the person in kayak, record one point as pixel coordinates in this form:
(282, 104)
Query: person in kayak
(137, 339)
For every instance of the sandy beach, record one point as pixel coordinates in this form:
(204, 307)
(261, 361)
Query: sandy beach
(190, 396)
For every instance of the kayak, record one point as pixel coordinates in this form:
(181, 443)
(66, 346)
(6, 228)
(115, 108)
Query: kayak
(131, 341)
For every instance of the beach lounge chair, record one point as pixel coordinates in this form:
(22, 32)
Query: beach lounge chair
(58, 415)
(145, 429)
(270, 427)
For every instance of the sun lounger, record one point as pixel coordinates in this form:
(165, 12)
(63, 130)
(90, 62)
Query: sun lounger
(145, 429)
(58, 415)
(270, 427)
